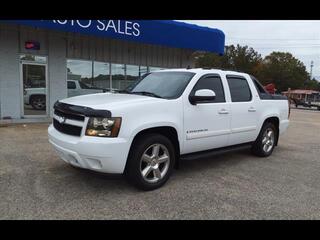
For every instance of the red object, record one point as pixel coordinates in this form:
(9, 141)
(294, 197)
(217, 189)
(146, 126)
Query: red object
(32, 45)
(270, 88)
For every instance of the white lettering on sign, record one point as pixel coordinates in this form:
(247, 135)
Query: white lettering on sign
(84, 25)
(112, 25)
(116, 26)
(136, 31)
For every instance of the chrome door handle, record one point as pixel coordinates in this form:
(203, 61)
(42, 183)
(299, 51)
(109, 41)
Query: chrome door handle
(251, 109)
(223, 111)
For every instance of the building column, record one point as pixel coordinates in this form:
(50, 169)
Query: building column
(10, 94)
(57, 68)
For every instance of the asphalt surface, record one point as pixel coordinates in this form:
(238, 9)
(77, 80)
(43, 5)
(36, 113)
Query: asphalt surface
(36, 184)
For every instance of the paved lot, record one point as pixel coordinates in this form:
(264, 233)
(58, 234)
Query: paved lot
(36, 184)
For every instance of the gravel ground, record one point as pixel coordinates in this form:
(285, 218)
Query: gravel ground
(36, 184)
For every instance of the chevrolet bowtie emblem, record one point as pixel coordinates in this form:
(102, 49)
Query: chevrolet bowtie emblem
(61, 120)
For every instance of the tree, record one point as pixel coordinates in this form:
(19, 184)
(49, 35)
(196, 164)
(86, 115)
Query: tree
(284, 70)
(279, 68)
(238, 58)
(312, 84)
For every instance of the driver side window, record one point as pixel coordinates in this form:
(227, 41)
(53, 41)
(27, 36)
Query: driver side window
(212, 83)
(71, 85)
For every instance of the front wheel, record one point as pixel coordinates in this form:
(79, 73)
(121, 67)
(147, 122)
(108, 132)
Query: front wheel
(38, 102)
(150, 162)
(265, 142)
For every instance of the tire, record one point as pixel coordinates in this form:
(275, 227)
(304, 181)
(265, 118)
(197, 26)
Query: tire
(267, 136)
(156, 174)
(38, 102)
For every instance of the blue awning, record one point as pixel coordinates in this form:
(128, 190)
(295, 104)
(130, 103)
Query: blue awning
(160, 32)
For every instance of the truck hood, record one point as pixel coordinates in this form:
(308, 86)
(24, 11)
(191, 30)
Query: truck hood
(108, 101)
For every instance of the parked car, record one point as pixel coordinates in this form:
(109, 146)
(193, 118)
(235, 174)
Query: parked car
(167, 116)
(299, 102)
(36, 97)
(76, 88)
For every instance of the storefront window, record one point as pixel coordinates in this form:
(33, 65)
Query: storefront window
(151, 69)
(86, 77)
(33, 58)
(132, 75)
(34, 88)
(101, 75)
(80, 72)
(118, 76)
(143, 70)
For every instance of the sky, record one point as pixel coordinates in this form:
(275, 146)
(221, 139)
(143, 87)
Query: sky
(301, 38)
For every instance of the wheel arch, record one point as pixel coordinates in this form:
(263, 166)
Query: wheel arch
(276, 122)
(36, 95)
(168, 131)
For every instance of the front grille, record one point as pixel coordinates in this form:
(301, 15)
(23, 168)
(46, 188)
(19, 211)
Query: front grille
(67, 129)
(68, 115)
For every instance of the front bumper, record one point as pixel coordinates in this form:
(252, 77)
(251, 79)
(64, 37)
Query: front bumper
(108, 155)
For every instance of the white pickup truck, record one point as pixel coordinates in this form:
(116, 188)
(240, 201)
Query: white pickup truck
(164, 117)
(36, 97)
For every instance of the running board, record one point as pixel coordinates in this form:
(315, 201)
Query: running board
(214, 152)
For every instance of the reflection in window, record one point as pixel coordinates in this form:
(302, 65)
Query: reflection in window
(34, 76)
(101, 75)
(33, 58)
(118, 76)
(34, 89)
(151, 69)
(81, 72)
(71, 85)
(143, 70)
(91, 76)
(132, 75)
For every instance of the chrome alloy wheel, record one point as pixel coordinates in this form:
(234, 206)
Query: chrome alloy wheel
(268, 140)
(154, 163)
(39, 103)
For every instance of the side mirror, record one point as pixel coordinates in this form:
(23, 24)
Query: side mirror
(202, 96)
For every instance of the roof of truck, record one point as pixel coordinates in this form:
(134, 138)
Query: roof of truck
(203, 71)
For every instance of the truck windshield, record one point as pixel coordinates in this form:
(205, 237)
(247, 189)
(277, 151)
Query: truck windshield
(168, 85)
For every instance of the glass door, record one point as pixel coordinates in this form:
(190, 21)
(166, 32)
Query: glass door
(34, 82)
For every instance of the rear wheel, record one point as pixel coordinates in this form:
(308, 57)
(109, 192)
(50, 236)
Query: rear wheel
(150, 162)
(265, 143)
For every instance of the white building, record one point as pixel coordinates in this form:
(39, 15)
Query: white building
(37, 57)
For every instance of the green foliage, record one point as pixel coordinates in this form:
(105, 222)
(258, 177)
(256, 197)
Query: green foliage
(280, 68)
(235, 58)
(284, 70)
(312, 84)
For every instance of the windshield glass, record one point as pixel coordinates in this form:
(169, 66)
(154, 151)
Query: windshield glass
(163, 84)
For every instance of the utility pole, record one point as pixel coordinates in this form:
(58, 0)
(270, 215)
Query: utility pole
(311, 66)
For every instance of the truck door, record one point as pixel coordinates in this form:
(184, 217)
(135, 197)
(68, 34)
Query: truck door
(244, 112)
(207, 124)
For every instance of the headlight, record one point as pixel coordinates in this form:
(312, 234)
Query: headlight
(103, 127)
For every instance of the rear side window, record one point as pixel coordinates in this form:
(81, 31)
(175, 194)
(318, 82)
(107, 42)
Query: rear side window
(258, 85)
(239, 89)
(213, 83)
(71, 85)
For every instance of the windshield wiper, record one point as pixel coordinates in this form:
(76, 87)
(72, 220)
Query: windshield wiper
(147, 94)
(120, 91)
